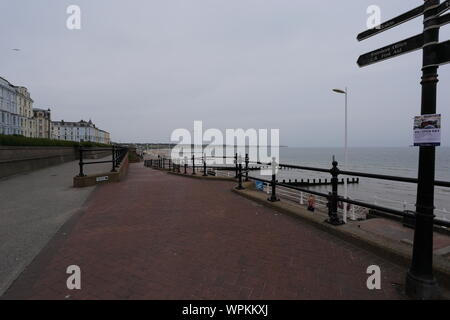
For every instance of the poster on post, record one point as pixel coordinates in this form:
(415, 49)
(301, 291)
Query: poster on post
(427, 130)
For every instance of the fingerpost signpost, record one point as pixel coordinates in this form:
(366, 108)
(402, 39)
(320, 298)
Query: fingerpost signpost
(420, 281)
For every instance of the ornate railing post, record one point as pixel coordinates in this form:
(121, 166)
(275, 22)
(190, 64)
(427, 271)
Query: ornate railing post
(246, 166)
(185, 164)
(334, 197)
(236, 163)
(113, 159)
(81, 174)
(273, 183)
(240, 187)
(204, 165)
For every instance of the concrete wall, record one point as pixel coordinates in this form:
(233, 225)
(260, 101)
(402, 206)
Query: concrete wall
(15, 160)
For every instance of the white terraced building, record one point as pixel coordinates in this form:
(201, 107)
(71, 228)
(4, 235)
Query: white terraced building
(81, 131)
(25, 111)
(9, 117)
(17, 115)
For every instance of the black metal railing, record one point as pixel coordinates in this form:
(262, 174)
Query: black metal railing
(333, 198)
(242, 169)
(198, 165)
(117, 156)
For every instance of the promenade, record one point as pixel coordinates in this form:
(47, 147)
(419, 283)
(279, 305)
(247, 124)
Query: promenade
(33, 206)
(160, 236)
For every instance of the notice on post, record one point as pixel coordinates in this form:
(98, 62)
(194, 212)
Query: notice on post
(427, 130)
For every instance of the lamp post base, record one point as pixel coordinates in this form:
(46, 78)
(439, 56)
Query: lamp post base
(421, 289)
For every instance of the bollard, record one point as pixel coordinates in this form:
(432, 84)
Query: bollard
(193, 165)
(333, 197)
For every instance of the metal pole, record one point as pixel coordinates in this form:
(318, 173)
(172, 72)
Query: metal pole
(204, 165)
(81, 163)
(273, 183)
(346, 153)
(333, 197)
(246, 167)
(420, 281)
(113, 159)
(236, 162)
(240, 187)
(193, 164)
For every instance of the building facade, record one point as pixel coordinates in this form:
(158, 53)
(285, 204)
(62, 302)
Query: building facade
(81, 131)
(17, 116)
(25, 112)
(9, 117)
(42, 123)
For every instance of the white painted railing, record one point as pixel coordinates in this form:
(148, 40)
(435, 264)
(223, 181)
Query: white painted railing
(301, 198)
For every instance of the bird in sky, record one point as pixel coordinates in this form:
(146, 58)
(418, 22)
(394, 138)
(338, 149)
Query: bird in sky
(15, 49)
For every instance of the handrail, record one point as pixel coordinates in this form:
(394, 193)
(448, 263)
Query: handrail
(333, 197)
(118, 154)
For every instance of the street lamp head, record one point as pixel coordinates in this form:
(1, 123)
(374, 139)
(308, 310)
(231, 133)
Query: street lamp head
(339, 91)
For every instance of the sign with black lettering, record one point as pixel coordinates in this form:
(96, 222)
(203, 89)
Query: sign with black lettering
(101, 179)
(443, 52)
(414, 13)
(443, 7)
(391, 51)
(443, 20)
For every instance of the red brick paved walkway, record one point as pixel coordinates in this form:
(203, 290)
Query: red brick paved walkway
(158, 236)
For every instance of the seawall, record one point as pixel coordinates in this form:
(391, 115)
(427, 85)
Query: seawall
(14, 160)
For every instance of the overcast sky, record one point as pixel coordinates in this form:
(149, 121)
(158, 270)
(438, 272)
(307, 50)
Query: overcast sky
(142, 68)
